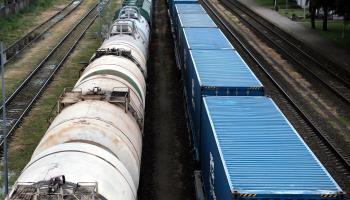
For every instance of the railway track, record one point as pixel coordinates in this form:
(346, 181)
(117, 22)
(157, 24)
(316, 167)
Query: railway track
(17, 47)
(331, 76)
(331, 156)
(21, 100)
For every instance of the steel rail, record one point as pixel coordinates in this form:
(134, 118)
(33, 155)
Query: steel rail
(342, 90)
(16, 48)
(91, 15)
(305, 117)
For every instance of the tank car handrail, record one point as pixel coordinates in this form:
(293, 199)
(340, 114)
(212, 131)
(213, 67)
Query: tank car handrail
(128, 16)
(121, 22)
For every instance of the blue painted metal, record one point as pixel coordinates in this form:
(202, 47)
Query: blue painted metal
(205, 39)
(215, 73)
(201, 39)
(192, 21)
(189, 9)
(195, 21)
(249, 150)
(186, 9)
(172, 3)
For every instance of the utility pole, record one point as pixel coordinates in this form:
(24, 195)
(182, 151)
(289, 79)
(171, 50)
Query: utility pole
(4, 128)
(286, 6)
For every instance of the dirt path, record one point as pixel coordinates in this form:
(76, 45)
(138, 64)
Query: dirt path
(167, 166)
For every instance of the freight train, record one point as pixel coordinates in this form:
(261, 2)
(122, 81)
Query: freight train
(92, 149)
(244, 145)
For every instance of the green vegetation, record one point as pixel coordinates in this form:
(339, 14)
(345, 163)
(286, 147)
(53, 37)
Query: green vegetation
(334, 33)
(280, 3)
(13, 27)
(335, 28)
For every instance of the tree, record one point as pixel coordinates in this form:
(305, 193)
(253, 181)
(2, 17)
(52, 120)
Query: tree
(313, 5)
(342, 8)
(326, 5)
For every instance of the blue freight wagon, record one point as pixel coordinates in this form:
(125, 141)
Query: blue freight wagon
(186, 9)
(249, 150)
(191, 21)
(172, 3)
(189, 9)
(201, 39)
(215, 73)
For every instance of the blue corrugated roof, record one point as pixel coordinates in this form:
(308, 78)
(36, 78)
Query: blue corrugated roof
(206, 38)
(223, 68)
(262, 151)
(196, 20)
(190, 8)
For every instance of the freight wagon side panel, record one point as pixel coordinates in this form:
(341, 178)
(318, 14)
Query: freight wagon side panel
(216, 73)
(214, 175)
(260, 153)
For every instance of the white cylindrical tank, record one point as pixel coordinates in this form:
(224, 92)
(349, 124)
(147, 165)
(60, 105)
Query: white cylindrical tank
(113, 72)
(133, 13)
(102, 124)
(124, 35)
(82, 162)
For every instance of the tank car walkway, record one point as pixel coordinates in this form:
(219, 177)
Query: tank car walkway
(167, 166)
(306, 35)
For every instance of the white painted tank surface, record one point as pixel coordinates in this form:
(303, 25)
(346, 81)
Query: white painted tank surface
(133, 13)
(82, 162)
(112, 73)
(124, 35)
(102, 124)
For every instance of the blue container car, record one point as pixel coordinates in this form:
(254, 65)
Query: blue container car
(189, 9)
(201, 39)
(249, 150)
(172, 3)
(215, 73)
(186, 9)
(192, 21)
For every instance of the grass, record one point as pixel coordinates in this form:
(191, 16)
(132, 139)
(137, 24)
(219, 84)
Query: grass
(13, 27)
(27, 137)
(335, 32)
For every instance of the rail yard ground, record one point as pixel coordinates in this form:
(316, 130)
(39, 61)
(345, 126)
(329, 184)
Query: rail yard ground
(167, 166)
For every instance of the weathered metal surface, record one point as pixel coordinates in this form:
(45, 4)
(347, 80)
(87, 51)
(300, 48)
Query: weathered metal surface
(82, 162)
(99, 123)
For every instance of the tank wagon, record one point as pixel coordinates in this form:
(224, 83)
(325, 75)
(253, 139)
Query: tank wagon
(144, 6)
(245, 147)
(92, 149)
